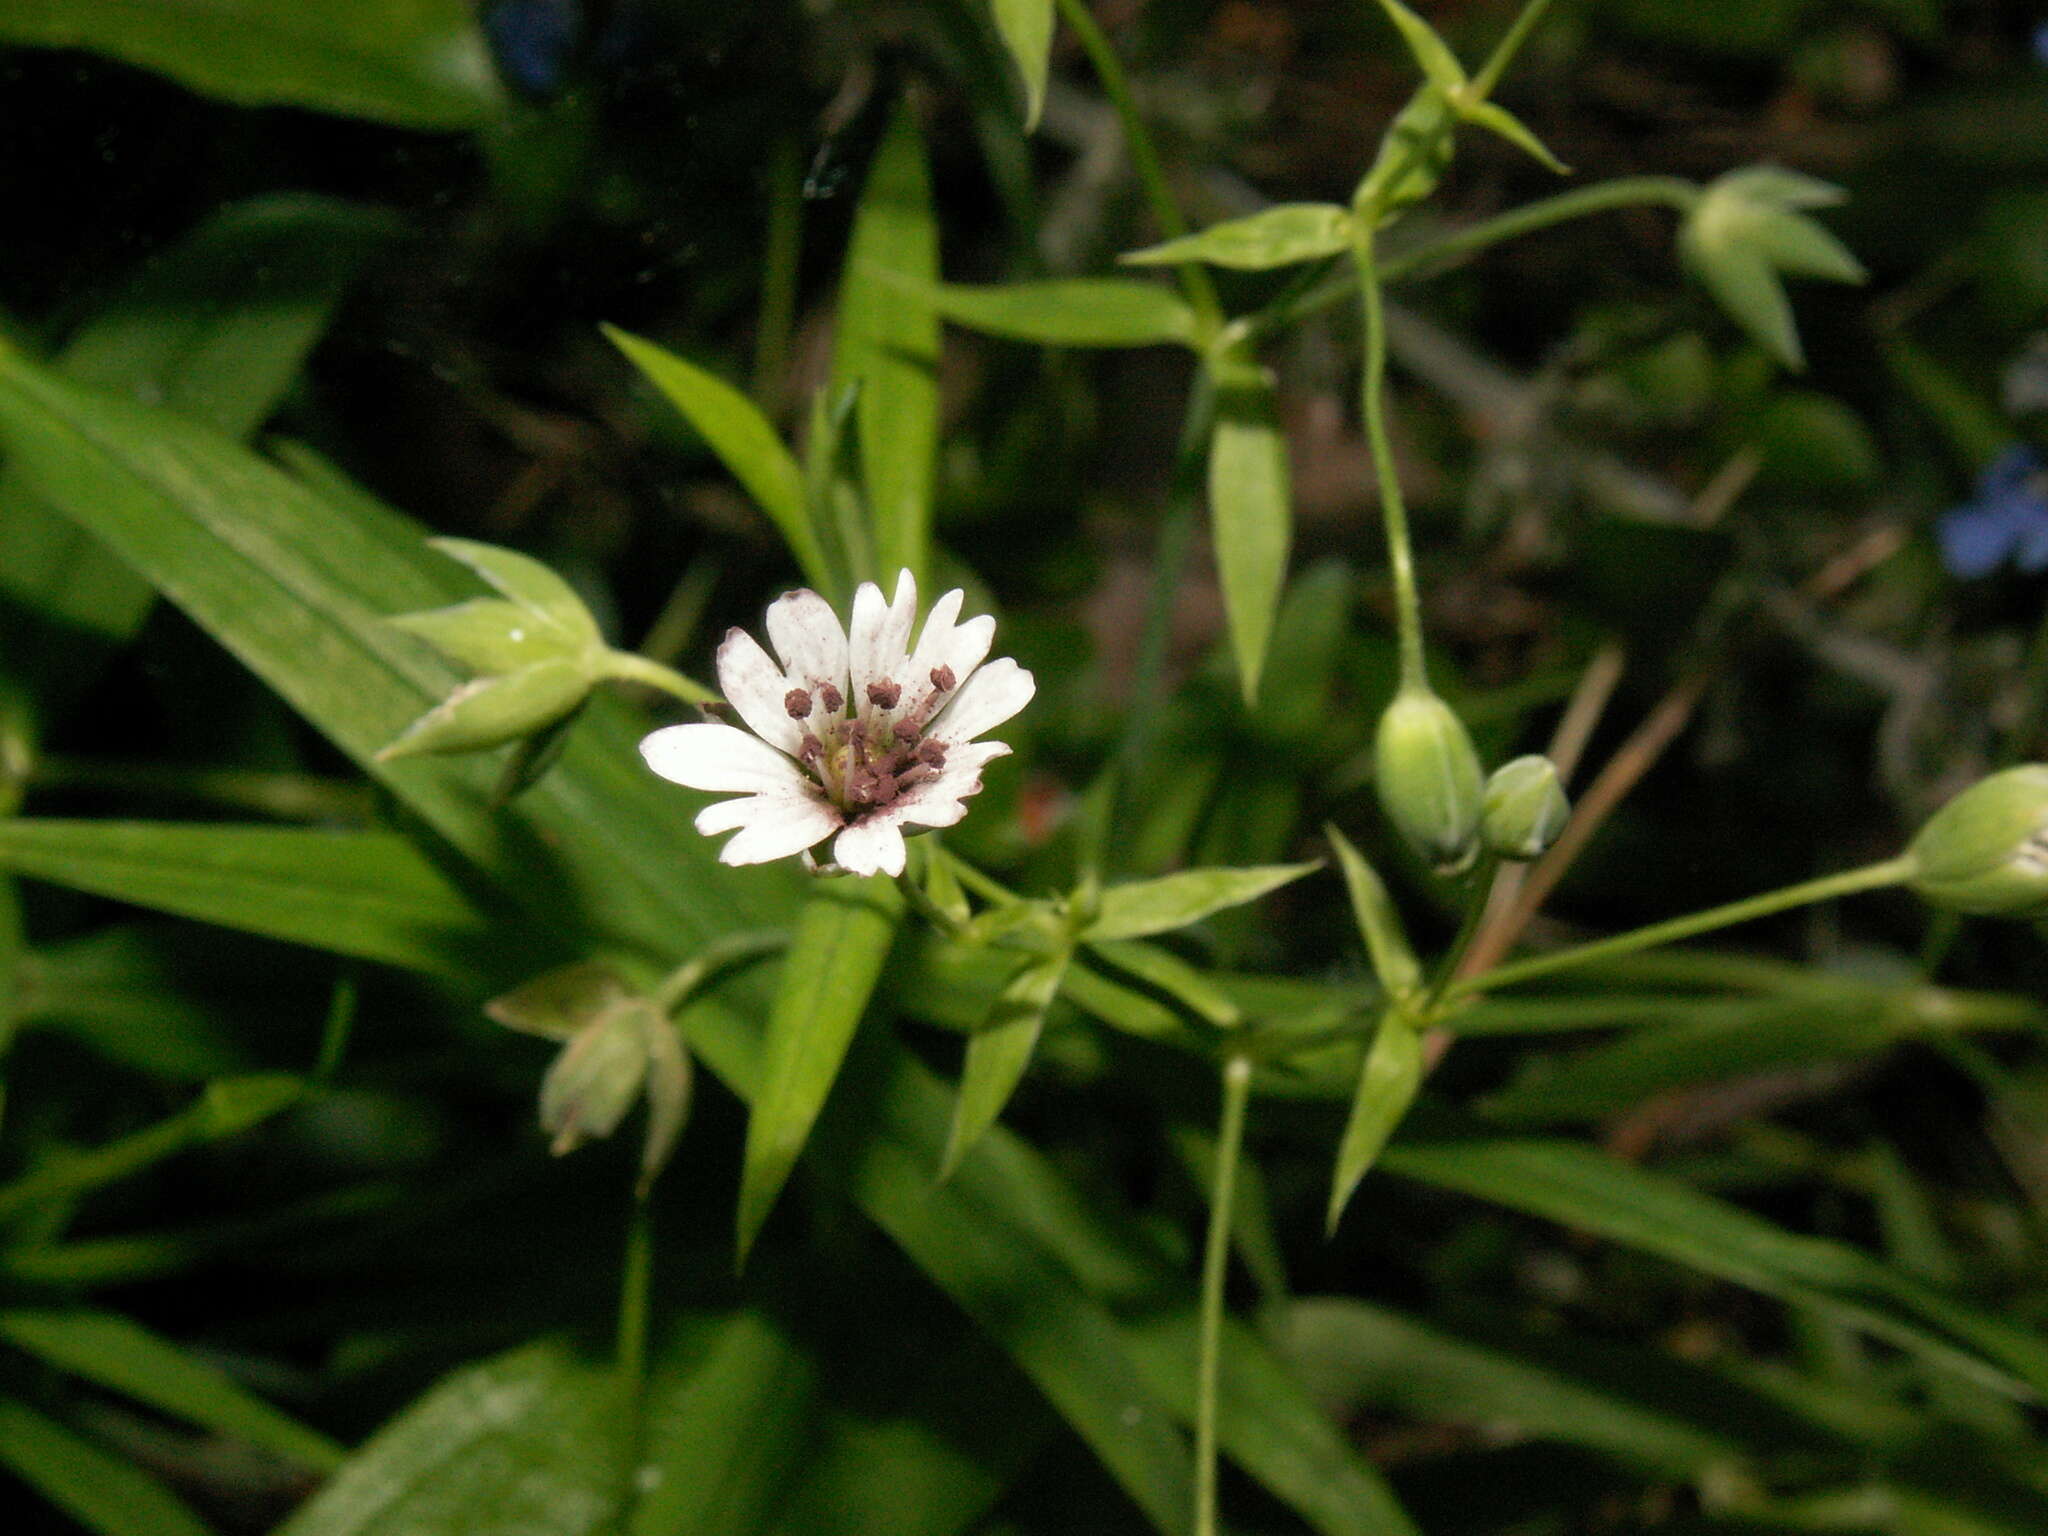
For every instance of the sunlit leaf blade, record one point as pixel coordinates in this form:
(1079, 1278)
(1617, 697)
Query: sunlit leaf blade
(1146, 907)
(1026, 30)
(834, 959)
(215, 328)
(105, 1493)
(447, 1463)
(1071, 312)
(744, 440)
(1582, 1188)
(1387, 1081)
(368, 894)
(1251, 515)
(888, 344)
(1275, 237)
(999, 1052)
(415, 63)
(113, 1352)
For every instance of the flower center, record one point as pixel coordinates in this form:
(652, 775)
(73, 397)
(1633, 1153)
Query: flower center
(866, 761)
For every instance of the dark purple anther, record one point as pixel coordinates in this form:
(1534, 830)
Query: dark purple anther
(831, 698)
(798, 703)
(883, 695)
(943, 679)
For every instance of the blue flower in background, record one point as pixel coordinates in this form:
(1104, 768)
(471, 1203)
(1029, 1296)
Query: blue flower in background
(2007, 519)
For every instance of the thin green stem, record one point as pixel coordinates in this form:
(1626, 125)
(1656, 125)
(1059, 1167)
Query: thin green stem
(1478, 891)
(1868, 878)
(1393, 510)
(625, 667)
(1109, 70)
(636, 1283)
(339, 1024)
(1237, 1084)
(1431, 256)
(721, 954)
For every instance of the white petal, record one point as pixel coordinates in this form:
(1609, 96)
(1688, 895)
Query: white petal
(807, 636)
(778, 828)
(940, 801)
(873, 846)
(719, 757)
(880, 644)
(945, 643)
(995, 693)
(756, 687)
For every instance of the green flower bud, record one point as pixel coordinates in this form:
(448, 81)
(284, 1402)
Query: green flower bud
(1429, 779)
(1525, 808)
(595, 1079)
(1986, 851)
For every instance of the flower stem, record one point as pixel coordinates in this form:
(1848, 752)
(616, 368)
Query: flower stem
(636, 1278)
(625, 667)
(1504, 53)
(1868, 878)
(1237, 1082)
(722, 953)
(1109, 70)
(1393, 510)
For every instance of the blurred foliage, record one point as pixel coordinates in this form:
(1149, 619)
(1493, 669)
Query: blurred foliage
(1750, 1239)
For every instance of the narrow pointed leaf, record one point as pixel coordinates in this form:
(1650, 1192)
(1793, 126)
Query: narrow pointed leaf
(1251, 516)
(1379, 924)
(1275, 237)
(110, 1351)
(741, 436)
(1498, 120)
(834, 960)
(999, 1052)
(1435, 59)
(368, 894)
(104, 1493)
(1146, 907)
(1386, 1087)
(1026, 30)
(888, 343)
(1071, 312)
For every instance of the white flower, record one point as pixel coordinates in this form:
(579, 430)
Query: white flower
(860, 736)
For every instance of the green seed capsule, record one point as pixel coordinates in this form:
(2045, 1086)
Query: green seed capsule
(1524, 808)
(1429, 780)
(596, 1078)
(1986, 851)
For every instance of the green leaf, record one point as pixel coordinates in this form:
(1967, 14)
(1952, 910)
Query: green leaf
(415, 63)
(1145, 907)
(215, 328)
(1277, 237)
(1498, 120)
(113, 1352)
(1438, 64)
(1071, 312)
(1379, 924)
(1164, 971)
(999, 1052)
(743, 439)
(1387, 1081)
(1582, 1188)
(368, 894)
(98, 1489)
(1026, 29)
(529, 1441)
(888, 344)
(1251, 514)
(834, 961)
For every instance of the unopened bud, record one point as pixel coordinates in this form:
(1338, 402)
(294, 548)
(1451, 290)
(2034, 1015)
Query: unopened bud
(490, 711)
(596, 1078)
(1986, 851)
(1429, 779)
(1524, 808)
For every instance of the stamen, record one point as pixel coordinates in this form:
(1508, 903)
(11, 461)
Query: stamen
(905, 731)
(932, 754)
(883, 695)
(810, 749)
(943, 679)
(831, 698)
(798, 703)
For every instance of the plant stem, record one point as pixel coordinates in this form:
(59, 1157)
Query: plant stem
(1393, 510)
(636, 1279)
(720, 954)
(1868, 878)
(1237, 1082)
(1478, 898)
(1109, 70)
(625, 667)
(1505, 51)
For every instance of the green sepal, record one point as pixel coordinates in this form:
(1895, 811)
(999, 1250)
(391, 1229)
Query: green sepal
(1277, 237)
(1413, 156)
(558, 1003)
(1744, 231)
(490, 711)
(1433, 55)
(490, 635)
(527, 583)
(1496, 119)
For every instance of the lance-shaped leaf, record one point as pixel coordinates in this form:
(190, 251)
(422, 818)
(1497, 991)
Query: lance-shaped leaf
(1386, 1087)
(1251, 514)
(105, 1493)
(1025, 27)
(1164, 971)
(741, 436)
(1432, 54)
(1146, 907)
(834, 960)
(1071, 312)
(999, 1052)
(1379, 924)
(1276, 237)
(888, 345)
